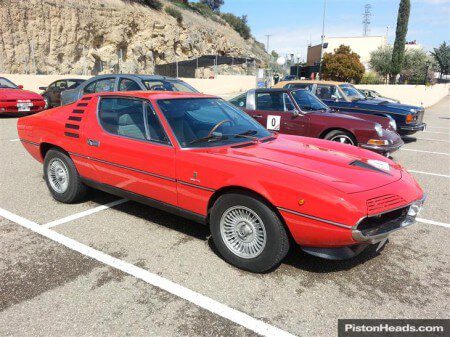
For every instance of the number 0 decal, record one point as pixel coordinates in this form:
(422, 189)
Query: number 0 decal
(273, 122)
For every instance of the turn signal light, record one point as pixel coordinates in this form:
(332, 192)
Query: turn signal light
(409, 118)
(377, 142)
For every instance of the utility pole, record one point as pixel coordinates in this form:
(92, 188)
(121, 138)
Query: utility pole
(267, 45)
(322, 37)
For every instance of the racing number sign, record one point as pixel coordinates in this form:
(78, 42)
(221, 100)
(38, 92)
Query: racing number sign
(273, 122)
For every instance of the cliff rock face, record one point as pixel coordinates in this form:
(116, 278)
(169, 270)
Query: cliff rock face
(104, 36)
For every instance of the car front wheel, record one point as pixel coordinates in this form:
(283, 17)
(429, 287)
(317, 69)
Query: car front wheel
(341, 136)
(247, 233)
(62, 177)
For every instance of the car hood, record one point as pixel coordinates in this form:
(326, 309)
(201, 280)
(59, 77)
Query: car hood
(18, 94)
(386, 104)
(343, 167)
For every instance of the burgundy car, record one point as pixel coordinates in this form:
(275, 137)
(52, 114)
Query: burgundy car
(298, 112)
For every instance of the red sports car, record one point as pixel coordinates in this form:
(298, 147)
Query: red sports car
(15, 100)
(202, 158)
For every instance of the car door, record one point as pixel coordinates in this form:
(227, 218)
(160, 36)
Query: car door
(269, 109)
(129, 149)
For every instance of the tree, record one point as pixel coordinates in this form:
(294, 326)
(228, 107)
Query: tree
(398, 53)
(442, 57)
(213, 4)
(343, 65)
(239, 24)
(274, 54)
(381, 61)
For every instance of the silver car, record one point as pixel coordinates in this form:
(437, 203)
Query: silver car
(120, 82)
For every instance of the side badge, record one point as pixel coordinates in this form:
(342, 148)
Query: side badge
(194, 177)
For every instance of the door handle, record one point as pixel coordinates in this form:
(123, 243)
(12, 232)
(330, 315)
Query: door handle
(92, 142)
(257, 116)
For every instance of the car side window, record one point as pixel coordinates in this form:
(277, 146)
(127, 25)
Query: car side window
(288, 105)
(126, 84)
(272, 101)
(72, 84)
(240, 101)
(130, 118)
(103, 85)
(327, 92)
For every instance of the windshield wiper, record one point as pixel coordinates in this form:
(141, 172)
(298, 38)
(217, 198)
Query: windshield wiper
(247, 134)
(213, 137)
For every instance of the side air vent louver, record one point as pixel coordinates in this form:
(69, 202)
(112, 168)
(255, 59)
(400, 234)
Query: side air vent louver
(364, 165)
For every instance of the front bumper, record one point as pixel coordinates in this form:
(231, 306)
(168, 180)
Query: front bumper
(382, 231)
(389, 148)
(410, 129)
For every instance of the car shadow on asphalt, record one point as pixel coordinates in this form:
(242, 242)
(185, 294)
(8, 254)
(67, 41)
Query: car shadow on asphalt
(408, 139)
(295, 258)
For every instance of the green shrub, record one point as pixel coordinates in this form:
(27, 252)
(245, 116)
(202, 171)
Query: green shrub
(239, 24)
(175, 13)
(155, 4)
(372, 77)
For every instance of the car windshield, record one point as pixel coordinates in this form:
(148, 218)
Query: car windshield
(307, 101)
(165, 85)
(7, 84)
(208, 122)
(351, 92)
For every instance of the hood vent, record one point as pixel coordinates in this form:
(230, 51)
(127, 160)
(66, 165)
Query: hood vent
(364, 165)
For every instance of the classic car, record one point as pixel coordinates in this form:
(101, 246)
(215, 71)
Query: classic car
(121, 82)
(346, 98)
(202, 158)
(15, 100)
(52, 93)
(369, 93)
(298, 112)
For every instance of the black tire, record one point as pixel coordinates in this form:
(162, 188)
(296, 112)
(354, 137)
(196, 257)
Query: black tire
(75, 190)
(333, 135)
(276, 243)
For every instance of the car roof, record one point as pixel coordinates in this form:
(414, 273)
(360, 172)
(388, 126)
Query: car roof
(311, 82)
(152, 94)
(272, 89)
(136, 76)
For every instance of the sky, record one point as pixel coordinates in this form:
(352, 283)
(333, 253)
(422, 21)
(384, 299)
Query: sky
(294, 23)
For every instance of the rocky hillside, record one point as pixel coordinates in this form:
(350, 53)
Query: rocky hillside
(102, 36)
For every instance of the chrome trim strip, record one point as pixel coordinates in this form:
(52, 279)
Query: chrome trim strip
(29, 142)
(315, 218)
(196, 186)
(143, 172)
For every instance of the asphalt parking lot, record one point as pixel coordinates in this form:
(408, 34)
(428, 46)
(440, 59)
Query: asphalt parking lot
(132, 270)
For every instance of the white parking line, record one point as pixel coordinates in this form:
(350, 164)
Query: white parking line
(437, 127)
(432, 152)
(198, 299)
(14, 140)
(430, 174)
(434, 140)
(438, 132)
(84, 213)
(432, 222)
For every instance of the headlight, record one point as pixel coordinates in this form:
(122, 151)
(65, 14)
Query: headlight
(379, 129)
(413, 110)
(392, 123)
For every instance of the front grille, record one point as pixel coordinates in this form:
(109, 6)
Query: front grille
(383, 203)
(389, 220)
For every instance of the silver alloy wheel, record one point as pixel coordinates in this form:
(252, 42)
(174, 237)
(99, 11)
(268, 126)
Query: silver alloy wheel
(343, 139)
(243, 232)
(58, 175)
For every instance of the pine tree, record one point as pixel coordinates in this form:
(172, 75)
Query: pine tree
(398, 53)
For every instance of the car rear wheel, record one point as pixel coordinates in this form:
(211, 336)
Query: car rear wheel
(62, 177)
(342, 137)
(247, 233)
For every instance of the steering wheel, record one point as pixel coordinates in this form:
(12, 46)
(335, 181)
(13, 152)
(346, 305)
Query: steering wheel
(217, 126)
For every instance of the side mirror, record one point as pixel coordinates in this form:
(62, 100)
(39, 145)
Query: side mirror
(295, 112)
(42, 88)
(20, 86)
